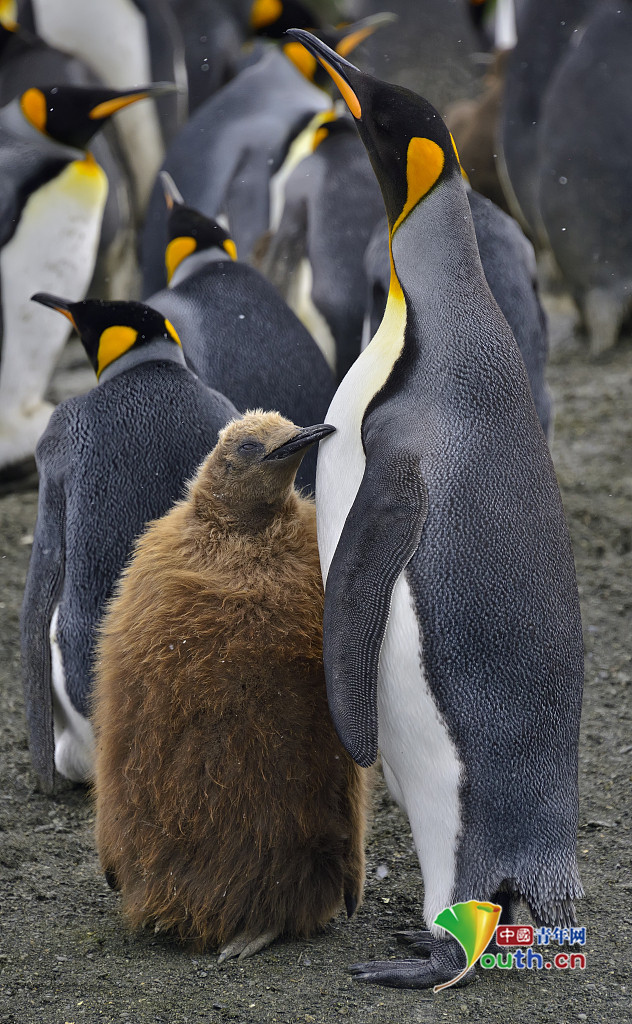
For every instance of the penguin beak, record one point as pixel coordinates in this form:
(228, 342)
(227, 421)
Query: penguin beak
(336, 66)
(361, 30)
(173, 196)
(121, 99)
(62, 306)
(305, 437)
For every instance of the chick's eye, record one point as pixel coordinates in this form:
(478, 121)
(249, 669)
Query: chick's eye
(248, 446)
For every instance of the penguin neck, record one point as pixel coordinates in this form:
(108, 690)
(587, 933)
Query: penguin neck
(12, 118)
(197, 261)
(435, 256)
(158, 350)
(233, 510)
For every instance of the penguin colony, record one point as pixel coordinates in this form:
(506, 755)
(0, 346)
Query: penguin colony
(450, 621)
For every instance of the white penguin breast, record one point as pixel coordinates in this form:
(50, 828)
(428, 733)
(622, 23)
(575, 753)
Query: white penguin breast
(53, 250)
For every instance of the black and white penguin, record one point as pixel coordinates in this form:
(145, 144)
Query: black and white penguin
(584, 191)
(109, 461)
(125, 42)
(225, 158)
(452, 633)
(510, 270)
(237, 333)
(327, 209)
(51, 209)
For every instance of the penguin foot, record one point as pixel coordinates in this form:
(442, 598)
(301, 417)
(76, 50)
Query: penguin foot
(421, 942)
(245, 945)
(446, 961)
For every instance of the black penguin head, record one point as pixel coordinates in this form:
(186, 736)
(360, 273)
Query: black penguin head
(271, 18)
(249, 475)
(409, 145)
(72, 114)
(189, 231)
(110, 329)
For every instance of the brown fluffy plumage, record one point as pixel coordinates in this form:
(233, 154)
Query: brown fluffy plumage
(226, 805)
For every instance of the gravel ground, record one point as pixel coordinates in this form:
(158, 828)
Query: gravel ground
(65, 955)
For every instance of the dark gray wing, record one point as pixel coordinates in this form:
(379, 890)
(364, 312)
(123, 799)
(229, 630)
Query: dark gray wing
(43, 588)
(380, 535)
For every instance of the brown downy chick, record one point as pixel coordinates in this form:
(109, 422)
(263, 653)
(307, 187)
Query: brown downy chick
(227, 809)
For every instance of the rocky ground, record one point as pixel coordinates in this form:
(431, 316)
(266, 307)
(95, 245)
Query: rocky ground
(65, 955)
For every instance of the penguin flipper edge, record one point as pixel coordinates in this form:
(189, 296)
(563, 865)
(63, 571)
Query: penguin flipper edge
(43, 586)
(380, 535)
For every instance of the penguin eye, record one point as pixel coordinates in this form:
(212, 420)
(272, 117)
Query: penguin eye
(250, 446)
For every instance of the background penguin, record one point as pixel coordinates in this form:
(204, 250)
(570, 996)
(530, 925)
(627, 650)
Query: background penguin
(108, 462)
(26, 59)
(237, 333)
(125, 42)
(224, 158)
(585, 196)
(213, 33)
(50, 217)
(227, 808)
(544, 31)
(510, 270)
(451, 620)
(330, 205)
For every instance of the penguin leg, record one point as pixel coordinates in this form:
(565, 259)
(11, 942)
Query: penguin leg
(446, 961)
(421, 941)
(245, 944)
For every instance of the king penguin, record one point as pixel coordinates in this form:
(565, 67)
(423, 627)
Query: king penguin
(108, 462)
(452, 632)
(237, 333)
(51, 208)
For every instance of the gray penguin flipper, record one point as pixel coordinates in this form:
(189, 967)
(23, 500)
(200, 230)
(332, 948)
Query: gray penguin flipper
(386, 519)
(43, 587)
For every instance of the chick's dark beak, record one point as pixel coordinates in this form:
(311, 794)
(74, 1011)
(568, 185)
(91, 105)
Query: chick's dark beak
(300, 442)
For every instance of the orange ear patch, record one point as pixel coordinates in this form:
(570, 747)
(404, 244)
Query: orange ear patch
(33, 106)
(424, 163)
(177, 250)
(265, 12)
(301, 58)
(114, 342)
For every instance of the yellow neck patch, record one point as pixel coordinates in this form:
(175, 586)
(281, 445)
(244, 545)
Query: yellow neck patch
(424, 163)
(109, 107)
(114, 342)
(33, 106)
(172, 331)
(301, 58)
(177, 250)
(230, 248)
(456, 153)
(265, 12)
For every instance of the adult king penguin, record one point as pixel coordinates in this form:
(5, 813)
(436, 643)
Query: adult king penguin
(452, 631)
(51, 208)
(109, 461)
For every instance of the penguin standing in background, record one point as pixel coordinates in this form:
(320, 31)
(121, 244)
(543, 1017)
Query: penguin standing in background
(108, 462)
(125, 42)
(584, 191)
(25, 59)
(227, 809)
(237, 333)
(51, 209)
(452, 634)
(226, 156)
(510, 269)
(329, 206)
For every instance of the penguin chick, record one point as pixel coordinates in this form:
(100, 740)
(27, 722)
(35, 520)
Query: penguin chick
(109, 461)
(227, 808)
(235, 328)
